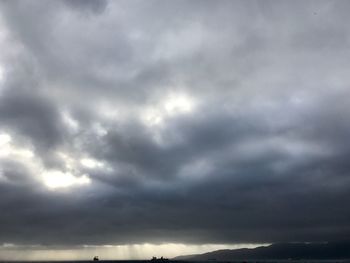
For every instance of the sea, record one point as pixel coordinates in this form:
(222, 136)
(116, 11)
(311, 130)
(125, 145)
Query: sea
(185, 261)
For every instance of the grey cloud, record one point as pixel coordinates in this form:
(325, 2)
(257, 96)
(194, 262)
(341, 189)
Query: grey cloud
(33, 117)
(262, 157)
(89, 5)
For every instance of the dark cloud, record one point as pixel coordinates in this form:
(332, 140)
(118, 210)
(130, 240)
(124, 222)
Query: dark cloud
(194, 122)
(32, 116)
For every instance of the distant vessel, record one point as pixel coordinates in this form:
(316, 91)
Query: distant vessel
(161, 259)
(96, 258)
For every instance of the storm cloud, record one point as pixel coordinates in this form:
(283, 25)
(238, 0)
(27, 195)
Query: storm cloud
(222, 122)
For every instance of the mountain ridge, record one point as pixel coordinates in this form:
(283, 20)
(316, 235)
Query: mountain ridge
(325, 250)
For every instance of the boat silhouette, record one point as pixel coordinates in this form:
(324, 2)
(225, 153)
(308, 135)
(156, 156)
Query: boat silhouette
(161, 259)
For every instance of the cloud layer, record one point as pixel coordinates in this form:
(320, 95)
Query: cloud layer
(174, 121)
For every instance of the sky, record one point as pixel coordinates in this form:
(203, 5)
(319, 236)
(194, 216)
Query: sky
(138, 128)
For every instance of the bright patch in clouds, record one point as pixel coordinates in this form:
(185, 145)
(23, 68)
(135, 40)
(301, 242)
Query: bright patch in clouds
(2, 74)
(72, 177)
(178, 104)
(72, 124)
(4, 139)
(172, 105)
(52, 179)
(91, 163)
(7, 148)
(57, 179)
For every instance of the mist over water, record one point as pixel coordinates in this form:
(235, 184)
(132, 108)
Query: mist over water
(110, 252)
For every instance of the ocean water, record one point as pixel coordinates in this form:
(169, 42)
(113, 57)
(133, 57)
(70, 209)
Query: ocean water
(184, 261)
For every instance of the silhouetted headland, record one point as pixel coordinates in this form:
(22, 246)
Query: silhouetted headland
(279, 251)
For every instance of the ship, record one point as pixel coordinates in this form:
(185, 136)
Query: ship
(161, 259)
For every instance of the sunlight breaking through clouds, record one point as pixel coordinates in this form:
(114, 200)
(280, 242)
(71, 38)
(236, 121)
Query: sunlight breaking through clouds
(4, 139)
(2, 75)
(113, 252)
(170, 106)
(53, 179)
(8, 149)
(58, 179)
(91, 163)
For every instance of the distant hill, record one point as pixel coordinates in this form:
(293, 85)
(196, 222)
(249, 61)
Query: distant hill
(329, 250)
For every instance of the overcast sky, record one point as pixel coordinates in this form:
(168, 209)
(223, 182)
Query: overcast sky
(186, 125)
